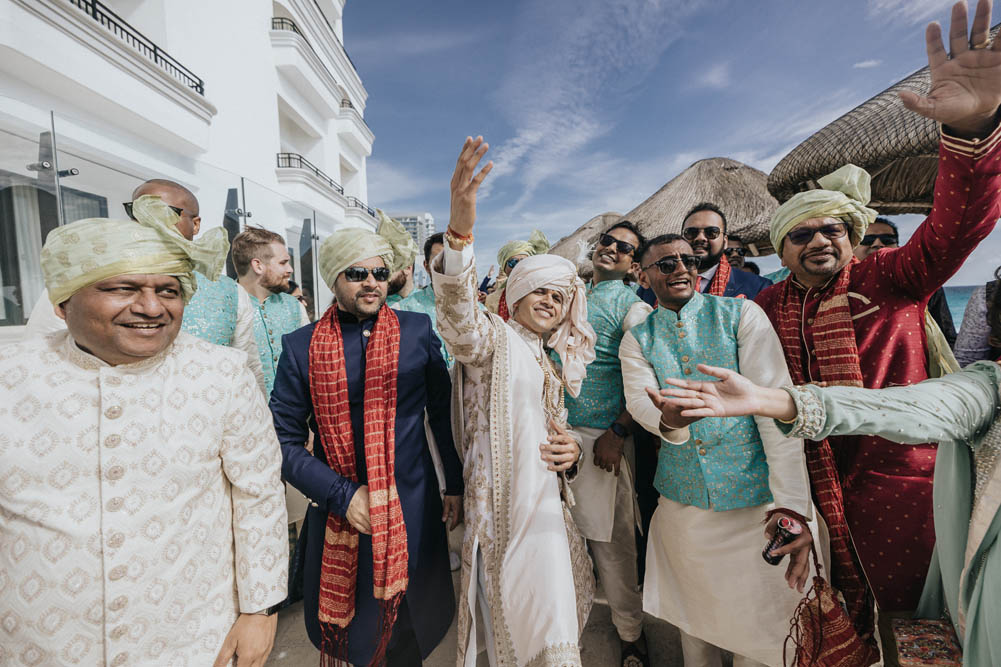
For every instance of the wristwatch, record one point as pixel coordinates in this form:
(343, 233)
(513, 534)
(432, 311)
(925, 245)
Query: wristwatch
(267, 611)
(618, 429)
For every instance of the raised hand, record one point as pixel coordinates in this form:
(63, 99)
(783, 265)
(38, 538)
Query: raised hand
(732, 396)
(560, 451)
(465, 184)
(966, 87)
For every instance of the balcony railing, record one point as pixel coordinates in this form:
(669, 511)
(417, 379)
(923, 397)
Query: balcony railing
(357, 203)
(282, 23)
(138, 41)
(296, 161)
(346, 104)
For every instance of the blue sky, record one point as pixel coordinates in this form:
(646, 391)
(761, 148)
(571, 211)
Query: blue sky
(592, 105)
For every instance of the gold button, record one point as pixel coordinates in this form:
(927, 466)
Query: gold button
(114, 412)
(120, 660)
(679, 324)
(315, 504)
(366, 333)
(688, 371)
(681, 334)
(117, 572)
(809, 320)
(119, 632)
(702, 451)
(115, 504)
(114, 473)
(698, 442)
(118, 603)
(116, 540)
(113, 440)
(685, 358)
(114, 380)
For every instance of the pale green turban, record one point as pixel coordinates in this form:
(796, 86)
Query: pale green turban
(844, 195)
(88, 251)
(347, 247)
(404, 248)
(537, 244)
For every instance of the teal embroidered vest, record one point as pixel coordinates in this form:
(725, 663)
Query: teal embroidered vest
(278, 315)
(722, 466)
(422, 301)
(602, 398)
(211, 313)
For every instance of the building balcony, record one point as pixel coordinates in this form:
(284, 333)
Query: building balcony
(360, 214)
(299, 64)
(305, 182)
(353, 129)
(83, 52)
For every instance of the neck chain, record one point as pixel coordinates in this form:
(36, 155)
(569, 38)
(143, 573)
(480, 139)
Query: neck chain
(552, 390)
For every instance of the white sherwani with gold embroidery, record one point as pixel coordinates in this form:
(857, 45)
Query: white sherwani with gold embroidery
(141, 505)
(523, 562)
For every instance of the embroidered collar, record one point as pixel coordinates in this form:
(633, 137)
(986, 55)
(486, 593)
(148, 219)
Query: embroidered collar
(88, 361)
(687, 311)
(533, 339)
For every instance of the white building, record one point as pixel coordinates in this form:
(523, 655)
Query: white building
(252, 104)
(420, 225)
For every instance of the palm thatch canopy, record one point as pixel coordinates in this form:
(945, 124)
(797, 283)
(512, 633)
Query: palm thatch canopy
(896, 146)
(739, 190)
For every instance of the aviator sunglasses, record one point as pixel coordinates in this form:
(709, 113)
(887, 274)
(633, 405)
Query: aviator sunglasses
(885, 239)
(511, 263)
(742, 252)
(128, 209)
(667, 265)
(806, 234)
(357, 274)
(692, 233)
(621, 247)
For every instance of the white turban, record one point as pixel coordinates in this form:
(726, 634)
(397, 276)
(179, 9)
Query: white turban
(574, 338)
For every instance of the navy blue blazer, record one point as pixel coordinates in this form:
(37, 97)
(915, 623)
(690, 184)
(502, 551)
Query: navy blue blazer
(423, 384)
(741, 283)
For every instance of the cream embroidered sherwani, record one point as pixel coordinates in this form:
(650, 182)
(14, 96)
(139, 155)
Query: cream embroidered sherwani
(523, 562)
(141, 505)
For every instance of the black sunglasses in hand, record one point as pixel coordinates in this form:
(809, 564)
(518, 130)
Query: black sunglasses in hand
(668, 265)
(128, 209)
(357, 274)
(692, 233)
(621, 247)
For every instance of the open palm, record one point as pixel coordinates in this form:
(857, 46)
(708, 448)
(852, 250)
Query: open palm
(732, 395)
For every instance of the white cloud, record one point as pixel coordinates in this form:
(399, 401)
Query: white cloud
(389, 185)
(867, 64)
(912, 11)
(389, 48)
(717, 76)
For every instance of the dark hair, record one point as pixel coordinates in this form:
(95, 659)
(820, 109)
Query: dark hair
(734, 237)
(663, 239)
(631, 226)
(434, 238)
(705, 206)
(888, 223)
(292, 286)
(752, 267)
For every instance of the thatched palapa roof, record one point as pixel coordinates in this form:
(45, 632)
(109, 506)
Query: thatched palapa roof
(898, 148)
(739, 190)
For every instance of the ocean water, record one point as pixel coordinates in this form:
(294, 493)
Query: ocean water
(957, 298)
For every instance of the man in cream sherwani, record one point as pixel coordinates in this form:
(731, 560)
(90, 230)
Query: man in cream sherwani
(142, 515)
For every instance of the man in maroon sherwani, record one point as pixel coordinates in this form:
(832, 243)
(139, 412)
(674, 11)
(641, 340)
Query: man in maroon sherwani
(842, 321)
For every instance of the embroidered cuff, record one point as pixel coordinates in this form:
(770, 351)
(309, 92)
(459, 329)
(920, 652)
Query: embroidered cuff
(975, 148)
(810, 414)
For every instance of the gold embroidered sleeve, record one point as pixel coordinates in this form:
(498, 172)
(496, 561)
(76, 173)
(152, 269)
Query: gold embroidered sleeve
(462, 324)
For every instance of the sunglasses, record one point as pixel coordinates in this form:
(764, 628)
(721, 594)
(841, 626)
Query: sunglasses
(741, 252)
(357, 274)
(668, 265)
(692, 233)
(806, 234)
(621, 247)
(885, 239)
(128, 210)
(511, 263)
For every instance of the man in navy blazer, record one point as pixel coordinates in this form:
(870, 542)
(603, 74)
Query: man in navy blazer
(704, 228)
(423, 387)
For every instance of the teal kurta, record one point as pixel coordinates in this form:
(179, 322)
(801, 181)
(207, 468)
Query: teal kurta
(723, 464)
(211, 313)
(280, 314)
(960, 412)
(601, 398)
(422, 301)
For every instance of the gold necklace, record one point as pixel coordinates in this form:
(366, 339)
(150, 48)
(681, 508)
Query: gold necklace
(552, 390)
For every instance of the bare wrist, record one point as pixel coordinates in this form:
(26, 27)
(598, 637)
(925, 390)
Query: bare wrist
(977, 127)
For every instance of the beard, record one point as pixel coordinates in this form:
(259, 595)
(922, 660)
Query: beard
(277, 283)
(709, 261)
(396, 282)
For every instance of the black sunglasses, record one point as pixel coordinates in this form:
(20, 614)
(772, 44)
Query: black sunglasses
(885, 239)
(357, 274)
(805, 235)
(692, 233)
(621, 247)
(511, 263)
(735, 251)
(128, 210)
(667, 265)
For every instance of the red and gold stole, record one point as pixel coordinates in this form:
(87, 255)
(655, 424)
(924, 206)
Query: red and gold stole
(339, 566)
(720, 279)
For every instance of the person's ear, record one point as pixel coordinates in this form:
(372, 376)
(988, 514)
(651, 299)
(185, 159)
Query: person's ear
(196, 224)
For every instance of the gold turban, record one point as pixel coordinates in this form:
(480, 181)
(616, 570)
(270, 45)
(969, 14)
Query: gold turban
(844, 195)
(88, 251)
(347, 247)
(537, 244)
(404, 248)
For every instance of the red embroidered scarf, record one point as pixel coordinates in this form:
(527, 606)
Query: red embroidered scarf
(502, 306)
(837, 353)
(720, 279)
(339, 566)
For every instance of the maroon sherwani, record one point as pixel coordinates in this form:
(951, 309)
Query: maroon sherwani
(887, 486)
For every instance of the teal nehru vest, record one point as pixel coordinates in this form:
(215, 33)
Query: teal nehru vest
(602, 398)
(278, 315)
(211, 313)
(722, 466)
